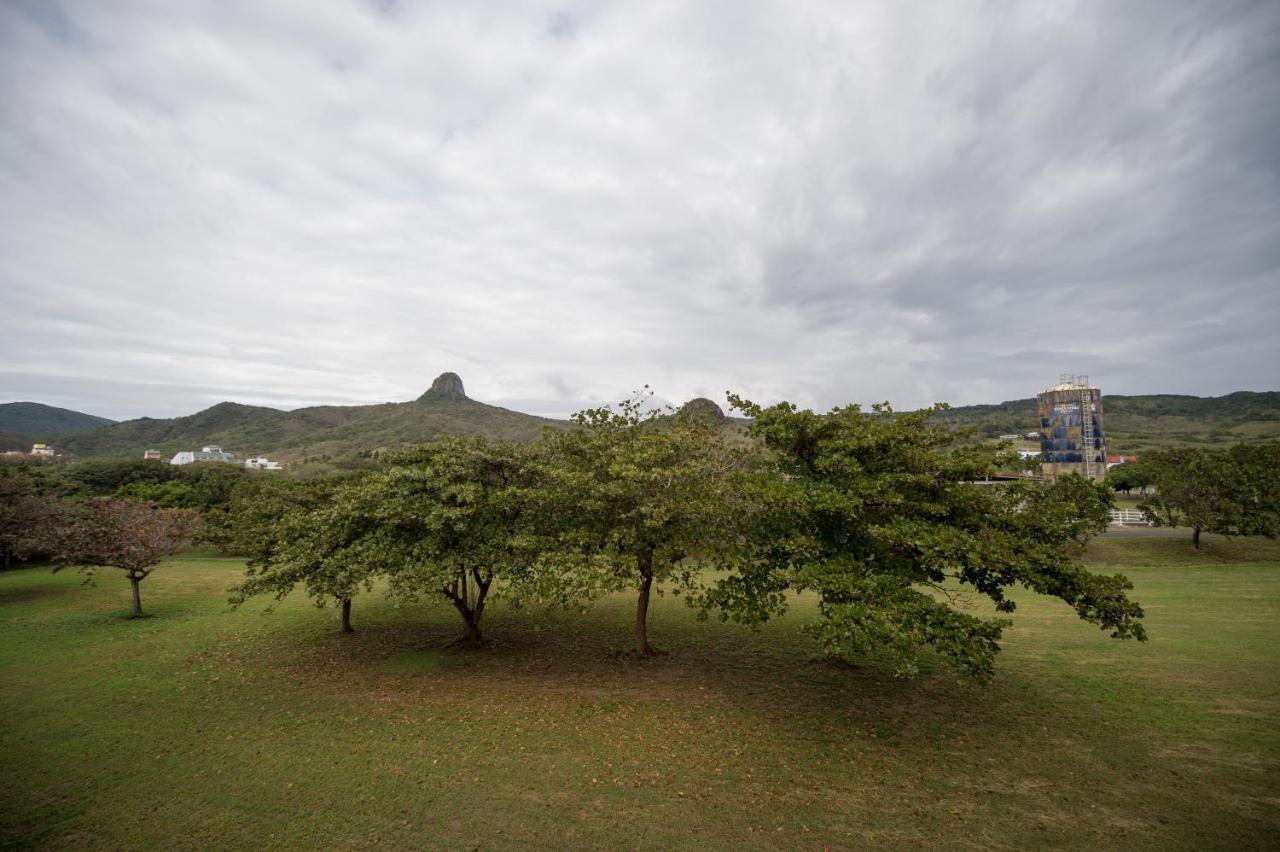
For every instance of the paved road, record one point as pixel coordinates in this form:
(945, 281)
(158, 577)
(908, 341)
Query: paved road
(1152, 532)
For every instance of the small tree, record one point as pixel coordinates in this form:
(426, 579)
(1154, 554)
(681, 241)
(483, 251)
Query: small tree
(115, 533)
(883, 516)
(643, 496)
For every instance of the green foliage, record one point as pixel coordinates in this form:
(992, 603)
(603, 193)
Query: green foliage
(640, 498)
(310, 534)
(1234, 492)
(173, 494)
(453, 517)
(244, 525)
(104, 477)
(881, 515)
(1128, 476)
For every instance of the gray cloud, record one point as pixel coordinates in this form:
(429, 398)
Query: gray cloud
(290, 203)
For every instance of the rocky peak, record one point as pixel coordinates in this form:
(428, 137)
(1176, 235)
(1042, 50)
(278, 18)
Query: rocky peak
(447, 386)
(701, 407)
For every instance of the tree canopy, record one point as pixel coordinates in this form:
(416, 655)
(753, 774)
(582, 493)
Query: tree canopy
(1231, 492)
(644, 499)
(113, 533)
(885, 518)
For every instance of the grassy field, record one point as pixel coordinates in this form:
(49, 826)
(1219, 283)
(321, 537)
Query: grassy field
(204, 727)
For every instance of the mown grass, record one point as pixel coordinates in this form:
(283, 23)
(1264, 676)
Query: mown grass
(202, 727)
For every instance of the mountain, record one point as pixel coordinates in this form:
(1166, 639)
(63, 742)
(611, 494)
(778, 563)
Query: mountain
(332, 431)
(1133, 424)
(1136, 423)
(45, 421)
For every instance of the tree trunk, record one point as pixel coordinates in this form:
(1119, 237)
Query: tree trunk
(471, 634)
(1195, 537)
(642, 612)
(346, 616)
(137, 594)
(470, 612)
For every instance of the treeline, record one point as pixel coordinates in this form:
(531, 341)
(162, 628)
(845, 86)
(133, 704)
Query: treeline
(880, 515)
(1228, 492)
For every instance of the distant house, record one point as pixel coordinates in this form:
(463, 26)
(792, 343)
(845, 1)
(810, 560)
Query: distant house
(1010, 437)
(1033, 436)
(210, 453)
(1028, 454)
(152, 454)
(41, 450)
(1112, 461)
(262, 463)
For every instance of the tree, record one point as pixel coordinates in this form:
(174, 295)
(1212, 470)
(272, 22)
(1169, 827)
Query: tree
(453, 517)
(643, 496)
(29, 518)
(104, 477)
(1128, 476)
(1256, 488)
(172, 494)
(1236, 492)
(883, 516)
(123, 534)
(244, 525)
(313, 535)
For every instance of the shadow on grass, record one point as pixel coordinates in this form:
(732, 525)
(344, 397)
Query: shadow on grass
(773, 674)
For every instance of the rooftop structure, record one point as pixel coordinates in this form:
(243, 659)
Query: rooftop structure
(41, 450)
(262, 463)
(151, 454)
(210, 453)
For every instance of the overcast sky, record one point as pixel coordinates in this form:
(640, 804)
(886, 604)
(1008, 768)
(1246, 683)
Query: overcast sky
(332, 202)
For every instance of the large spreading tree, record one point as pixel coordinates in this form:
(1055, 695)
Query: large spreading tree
(885, 517)
(1233, 492)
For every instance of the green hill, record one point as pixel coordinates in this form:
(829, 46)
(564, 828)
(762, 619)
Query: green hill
(45, 421)
(321, 431)
(14, 441)
(1137, 423)
(1133, 424)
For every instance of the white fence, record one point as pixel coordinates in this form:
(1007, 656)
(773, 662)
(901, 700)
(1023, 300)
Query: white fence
(1129, 518)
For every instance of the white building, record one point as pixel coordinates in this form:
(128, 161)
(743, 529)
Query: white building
(262, 463)
(41, 450)
(210, 453)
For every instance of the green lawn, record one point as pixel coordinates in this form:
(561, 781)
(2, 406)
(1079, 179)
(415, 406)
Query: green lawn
(204, 727)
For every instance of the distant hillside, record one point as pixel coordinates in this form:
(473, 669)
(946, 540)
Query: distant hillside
(1137, 423)
(10, 441)
(45, 421)
(332, 431)
(1133, 424)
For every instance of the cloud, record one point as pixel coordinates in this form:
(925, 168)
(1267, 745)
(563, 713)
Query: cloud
(288, 203)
